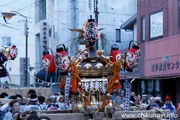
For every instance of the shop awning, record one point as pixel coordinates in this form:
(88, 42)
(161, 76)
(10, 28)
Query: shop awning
(129, 23)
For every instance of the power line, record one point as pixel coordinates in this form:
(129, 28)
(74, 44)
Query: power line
(10, 3)
(16, 8)
(9, 26)
(55, 18)
(36, 3)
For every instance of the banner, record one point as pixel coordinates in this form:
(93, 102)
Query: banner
(128, 87)
(67, 88)
(44, 34)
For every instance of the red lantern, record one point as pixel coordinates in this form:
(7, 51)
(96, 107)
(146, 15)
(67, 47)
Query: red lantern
(132, 57)
(61, 59)
(115, 53)
(91, 33)
(48, 62)
(13, 52)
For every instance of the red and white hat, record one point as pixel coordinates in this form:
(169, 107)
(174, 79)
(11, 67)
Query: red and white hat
(167, 98)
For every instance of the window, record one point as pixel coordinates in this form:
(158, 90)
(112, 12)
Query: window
(42, 10)
(6, 41)
(118, 36)
(156, 25)
(151, 87)
(142, 28)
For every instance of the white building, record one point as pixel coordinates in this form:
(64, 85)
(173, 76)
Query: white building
(61, 15)
(12, 33)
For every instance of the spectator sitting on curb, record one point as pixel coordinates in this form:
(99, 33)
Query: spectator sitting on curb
(152, 104)
(144, 99)
(169, 105)
(50, 102)
(159, 101)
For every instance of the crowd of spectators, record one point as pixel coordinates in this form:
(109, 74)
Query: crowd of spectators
(145, 102)
(17, 109)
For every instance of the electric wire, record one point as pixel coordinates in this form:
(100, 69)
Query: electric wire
(10, 3)
(54, 18)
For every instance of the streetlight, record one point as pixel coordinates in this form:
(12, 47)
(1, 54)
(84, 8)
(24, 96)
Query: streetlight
(10, 14)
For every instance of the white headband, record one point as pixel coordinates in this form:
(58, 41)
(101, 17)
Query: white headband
(144, 95)
(35, 99)
(131, 102)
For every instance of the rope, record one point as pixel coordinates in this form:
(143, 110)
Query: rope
(75, 76)
(115, 77)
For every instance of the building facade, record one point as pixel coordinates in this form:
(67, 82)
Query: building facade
(13, 33)
(158, 31)
(62, 15)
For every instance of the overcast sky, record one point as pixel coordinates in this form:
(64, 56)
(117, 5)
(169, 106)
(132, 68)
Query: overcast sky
(25, 7)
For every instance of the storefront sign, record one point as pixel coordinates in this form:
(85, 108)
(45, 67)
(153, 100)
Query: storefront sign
(89, 5)
(156, 25)
(44, 34)
(164, 66)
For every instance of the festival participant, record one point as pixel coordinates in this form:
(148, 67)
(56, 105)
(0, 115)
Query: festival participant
(41, 103)
(169, 105)
(159, 101)
(3, 95)
(123, 94)
(133, 93)
(132, 101)
(152, 104)
(60, 102)
(15, 114)
(15, 106)
(117, 101)
(61, 93)
(20, 100)
(139, 96)
(44, 118)
(50, 102)
(71, 101)
(30, 92)
(32, 117)
(32, 103)
(144, 99)
(137, 101)
(6, 108)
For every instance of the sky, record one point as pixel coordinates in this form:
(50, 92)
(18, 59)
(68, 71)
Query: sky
(14, 25)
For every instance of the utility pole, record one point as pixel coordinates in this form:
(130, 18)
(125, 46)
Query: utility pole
(96, 16)
(74, 24)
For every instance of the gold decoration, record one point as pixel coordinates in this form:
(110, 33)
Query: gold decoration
(79, 67)
(79, 83)
(116, 82)
(102, 51)
(86, 53)
(106, 67)
(88, 66)
(107, 58)
(79, 50)
(98, 66)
